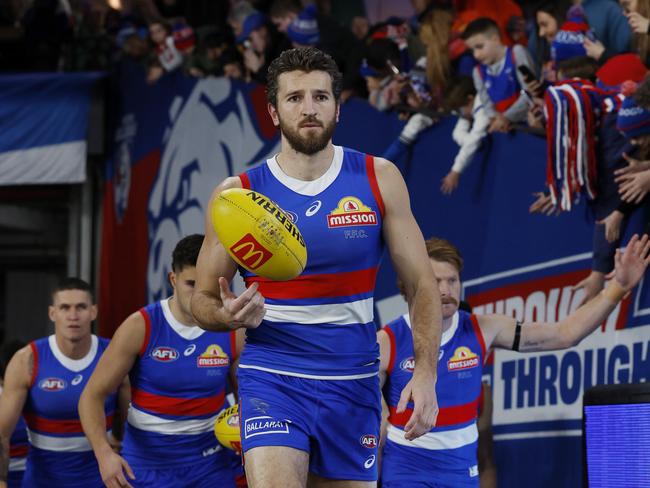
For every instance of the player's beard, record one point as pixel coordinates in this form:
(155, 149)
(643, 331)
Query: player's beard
(309, 144)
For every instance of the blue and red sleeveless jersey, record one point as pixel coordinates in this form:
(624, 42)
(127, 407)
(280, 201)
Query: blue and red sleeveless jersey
(460, 367)
(60, 453)
(320, 324)
(502, 87)
(18, 446)
(177, 391)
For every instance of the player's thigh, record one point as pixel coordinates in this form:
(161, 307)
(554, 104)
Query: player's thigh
(276, 467)
(315, 481)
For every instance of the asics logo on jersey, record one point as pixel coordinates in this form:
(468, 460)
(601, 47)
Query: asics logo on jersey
(370, 462)
(313, 208)
(369, 441)
(407, 364)
(164, 354)
(77, 379)
(189, 350)
(52, 384)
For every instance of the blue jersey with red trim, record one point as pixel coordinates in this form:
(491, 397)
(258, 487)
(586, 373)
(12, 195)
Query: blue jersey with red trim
(458, 388)
(18, 446)
(320, 324)
(60, 453)
(502, 87)
(177, 391)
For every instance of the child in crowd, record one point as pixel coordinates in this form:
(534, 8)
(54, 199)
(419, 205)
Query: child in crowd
(498, 78)
(470, 130)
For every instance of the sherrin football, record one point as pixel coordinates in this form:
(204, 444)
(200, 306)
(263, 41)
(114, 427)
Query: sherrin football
(258, 234)
(226, 428)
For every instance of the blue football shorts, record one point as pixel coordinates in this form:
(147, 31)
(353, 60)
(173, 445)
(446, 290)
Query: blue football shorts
(197, 475)
(335, 421)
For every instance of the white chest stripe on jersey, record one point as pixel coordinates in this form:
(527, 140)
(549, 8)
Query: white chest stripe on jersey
(357, 312)
(59, 444)
(450, 439)
(145, 421)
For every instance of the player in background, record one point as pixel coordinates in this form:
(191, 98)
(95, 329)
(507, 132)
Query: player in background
(43, 382)
(447, 455)
(310, 404)
(178, 375)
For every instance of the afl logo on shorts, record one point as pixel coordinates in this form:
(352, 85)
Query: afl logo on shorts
(52, 384)
(407, 364)
(164, 354)
(369, 441)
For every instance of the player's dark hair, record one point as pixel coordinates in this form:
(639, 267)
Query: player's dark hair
(305, 59)
(72, 283)
(186, 252)
(482, 25)
(439, 250)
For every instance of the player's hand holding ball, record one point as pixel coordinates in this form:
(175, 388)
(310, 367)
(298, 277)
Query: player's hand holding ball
(246, 310)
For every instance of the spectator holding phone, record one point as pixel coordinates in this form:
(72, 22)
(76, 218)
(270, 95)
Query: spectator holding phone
(497, 79)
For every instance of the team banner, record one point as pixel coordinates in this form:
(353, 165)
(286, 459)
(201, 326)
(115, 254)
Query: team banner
(176, 139)
(43, 122)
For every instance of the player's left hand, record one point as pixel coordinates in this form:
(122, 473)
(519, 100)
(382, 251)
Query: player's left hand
(421, 390)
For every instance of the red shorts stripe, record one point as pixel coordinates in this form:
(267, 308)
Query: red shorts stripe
(177, 406)
(73, 426)
(317, 286)
(458, 414)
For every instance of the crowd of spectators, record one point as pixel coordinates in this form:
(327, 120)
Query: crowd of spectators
(572, 70)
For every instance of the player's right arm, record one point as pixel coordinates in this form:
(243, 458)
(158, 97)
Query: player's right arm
(213, 305)
(630, 265)
(18, 379)
(107, 378)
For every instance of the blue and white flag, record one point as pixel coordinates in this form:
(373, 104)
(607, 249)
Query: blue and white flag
(43, 125)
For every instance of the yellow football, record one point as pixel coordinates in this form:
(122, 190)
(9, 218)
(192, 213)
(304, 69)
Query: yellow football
(258, 234)
(226, 428)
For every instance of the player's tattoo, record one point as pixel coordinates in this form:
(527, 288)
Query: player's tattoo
(4, 461)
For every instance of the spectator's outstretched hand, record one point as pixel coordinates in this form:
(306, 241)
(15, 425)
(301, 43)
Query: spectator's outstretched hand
(450, 182)
(542, 205)
(634, 166)
(612, 225)
(635, 187)
(638, 23)
(595, 49)
(499, 124)
(630, 265)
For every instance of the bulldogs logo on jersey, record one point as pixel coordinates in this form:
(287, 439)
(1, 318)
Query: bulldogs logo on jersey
(213, 357)
(351, 212)
(463, 358)
(164, 354)
(52, 384)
